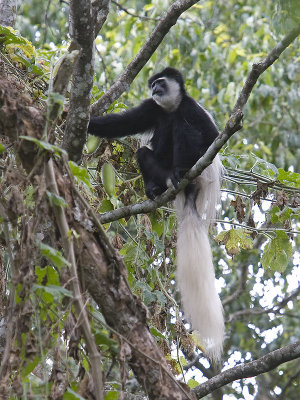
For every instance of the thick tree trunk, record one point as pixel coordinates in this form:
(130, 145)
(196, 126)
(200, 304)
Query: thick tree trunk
(8, 12)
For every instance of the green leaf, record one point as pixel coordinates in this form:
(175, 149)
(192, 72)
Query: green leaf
(52, 276)
(106, 205)
(102, 338)
(277, 252)
(235, 240)
(183, 361)
(55, 291)
(112, 395)
(108, 177)
(278, 215)
(80, 173)
(146, 292)
(71, 395)
(161, 298)
(155, 332)
(56, 200)
(45, 145)
(54, 255)
(9, 35)
(2, 148)
(40, 273)
(288, 177)
(192, 383)
(29, 367)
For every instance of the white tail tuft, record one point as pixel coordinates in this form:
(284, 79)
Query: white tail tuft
(195, 270)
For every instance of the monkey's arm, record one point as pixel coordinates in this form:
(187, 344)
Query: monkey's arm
(136, 120)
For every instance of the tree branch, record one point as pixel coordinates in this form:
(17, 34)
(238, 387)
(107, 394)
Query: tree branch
(250, 369)
(166, 22)
(131, 14)
(82, 32)
(233, 124)
(275, 309)
(100, 10)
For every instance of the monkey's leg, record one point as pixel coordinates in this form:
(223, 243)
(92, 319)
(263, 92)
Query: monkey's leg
(154, 174)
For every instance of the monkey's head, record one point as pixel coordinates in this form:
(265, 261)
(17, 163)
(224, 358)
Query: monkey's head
(167, 88)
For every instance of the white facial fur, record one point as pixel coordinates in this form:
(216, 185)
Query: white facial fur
(171, 100)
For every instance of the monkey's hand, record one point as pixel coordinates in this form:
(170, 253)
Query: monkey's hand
(153, 190)
(177, 175)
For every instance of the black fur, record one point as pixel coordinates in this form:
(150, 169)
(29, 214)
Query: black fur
(179, 139)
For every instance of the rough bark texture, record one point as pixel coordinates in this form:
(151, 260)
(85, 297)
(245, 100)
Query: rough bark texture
(85, 21)
(82, 33)
(8, 12)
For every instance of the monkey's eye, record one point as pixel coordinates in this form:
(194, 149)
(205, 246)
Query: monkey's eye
(159, 81)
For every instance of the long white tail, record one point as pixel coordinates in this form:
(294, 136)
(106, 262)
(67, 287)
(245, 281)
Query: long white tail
(196, 208)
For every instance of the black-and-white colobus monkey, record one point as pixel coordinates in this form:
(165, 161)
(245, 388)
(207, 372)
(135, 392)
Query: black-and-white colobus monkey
(182, 131)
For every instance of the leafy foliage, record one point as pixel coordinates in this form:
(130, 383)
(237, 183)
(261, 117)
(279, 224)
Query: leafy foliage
(214, 44)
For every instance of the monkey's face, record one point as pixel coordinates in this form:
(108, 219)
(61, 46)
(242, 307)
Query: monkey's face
(159, 87)
(166, 93)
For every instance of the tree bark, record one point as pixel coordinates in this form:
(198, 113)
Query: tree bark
(8, 12)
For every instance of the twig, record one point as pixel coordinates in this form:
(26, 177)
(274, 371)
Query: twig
(288, 385)
(68, 245)
(100, 12)
(250, 369)
(275, 309)
(259, 68)
(241, 286)
(258, 230)
(10, 317)
(255, 177)
(131, 14)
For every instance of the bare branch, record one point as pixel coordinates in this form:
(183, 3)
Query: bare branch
(233, 125)
(131, 14)
(250, 369)
(241, 286)
(275, 309)
(288, 385)
(162, 28)
(100, 10)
